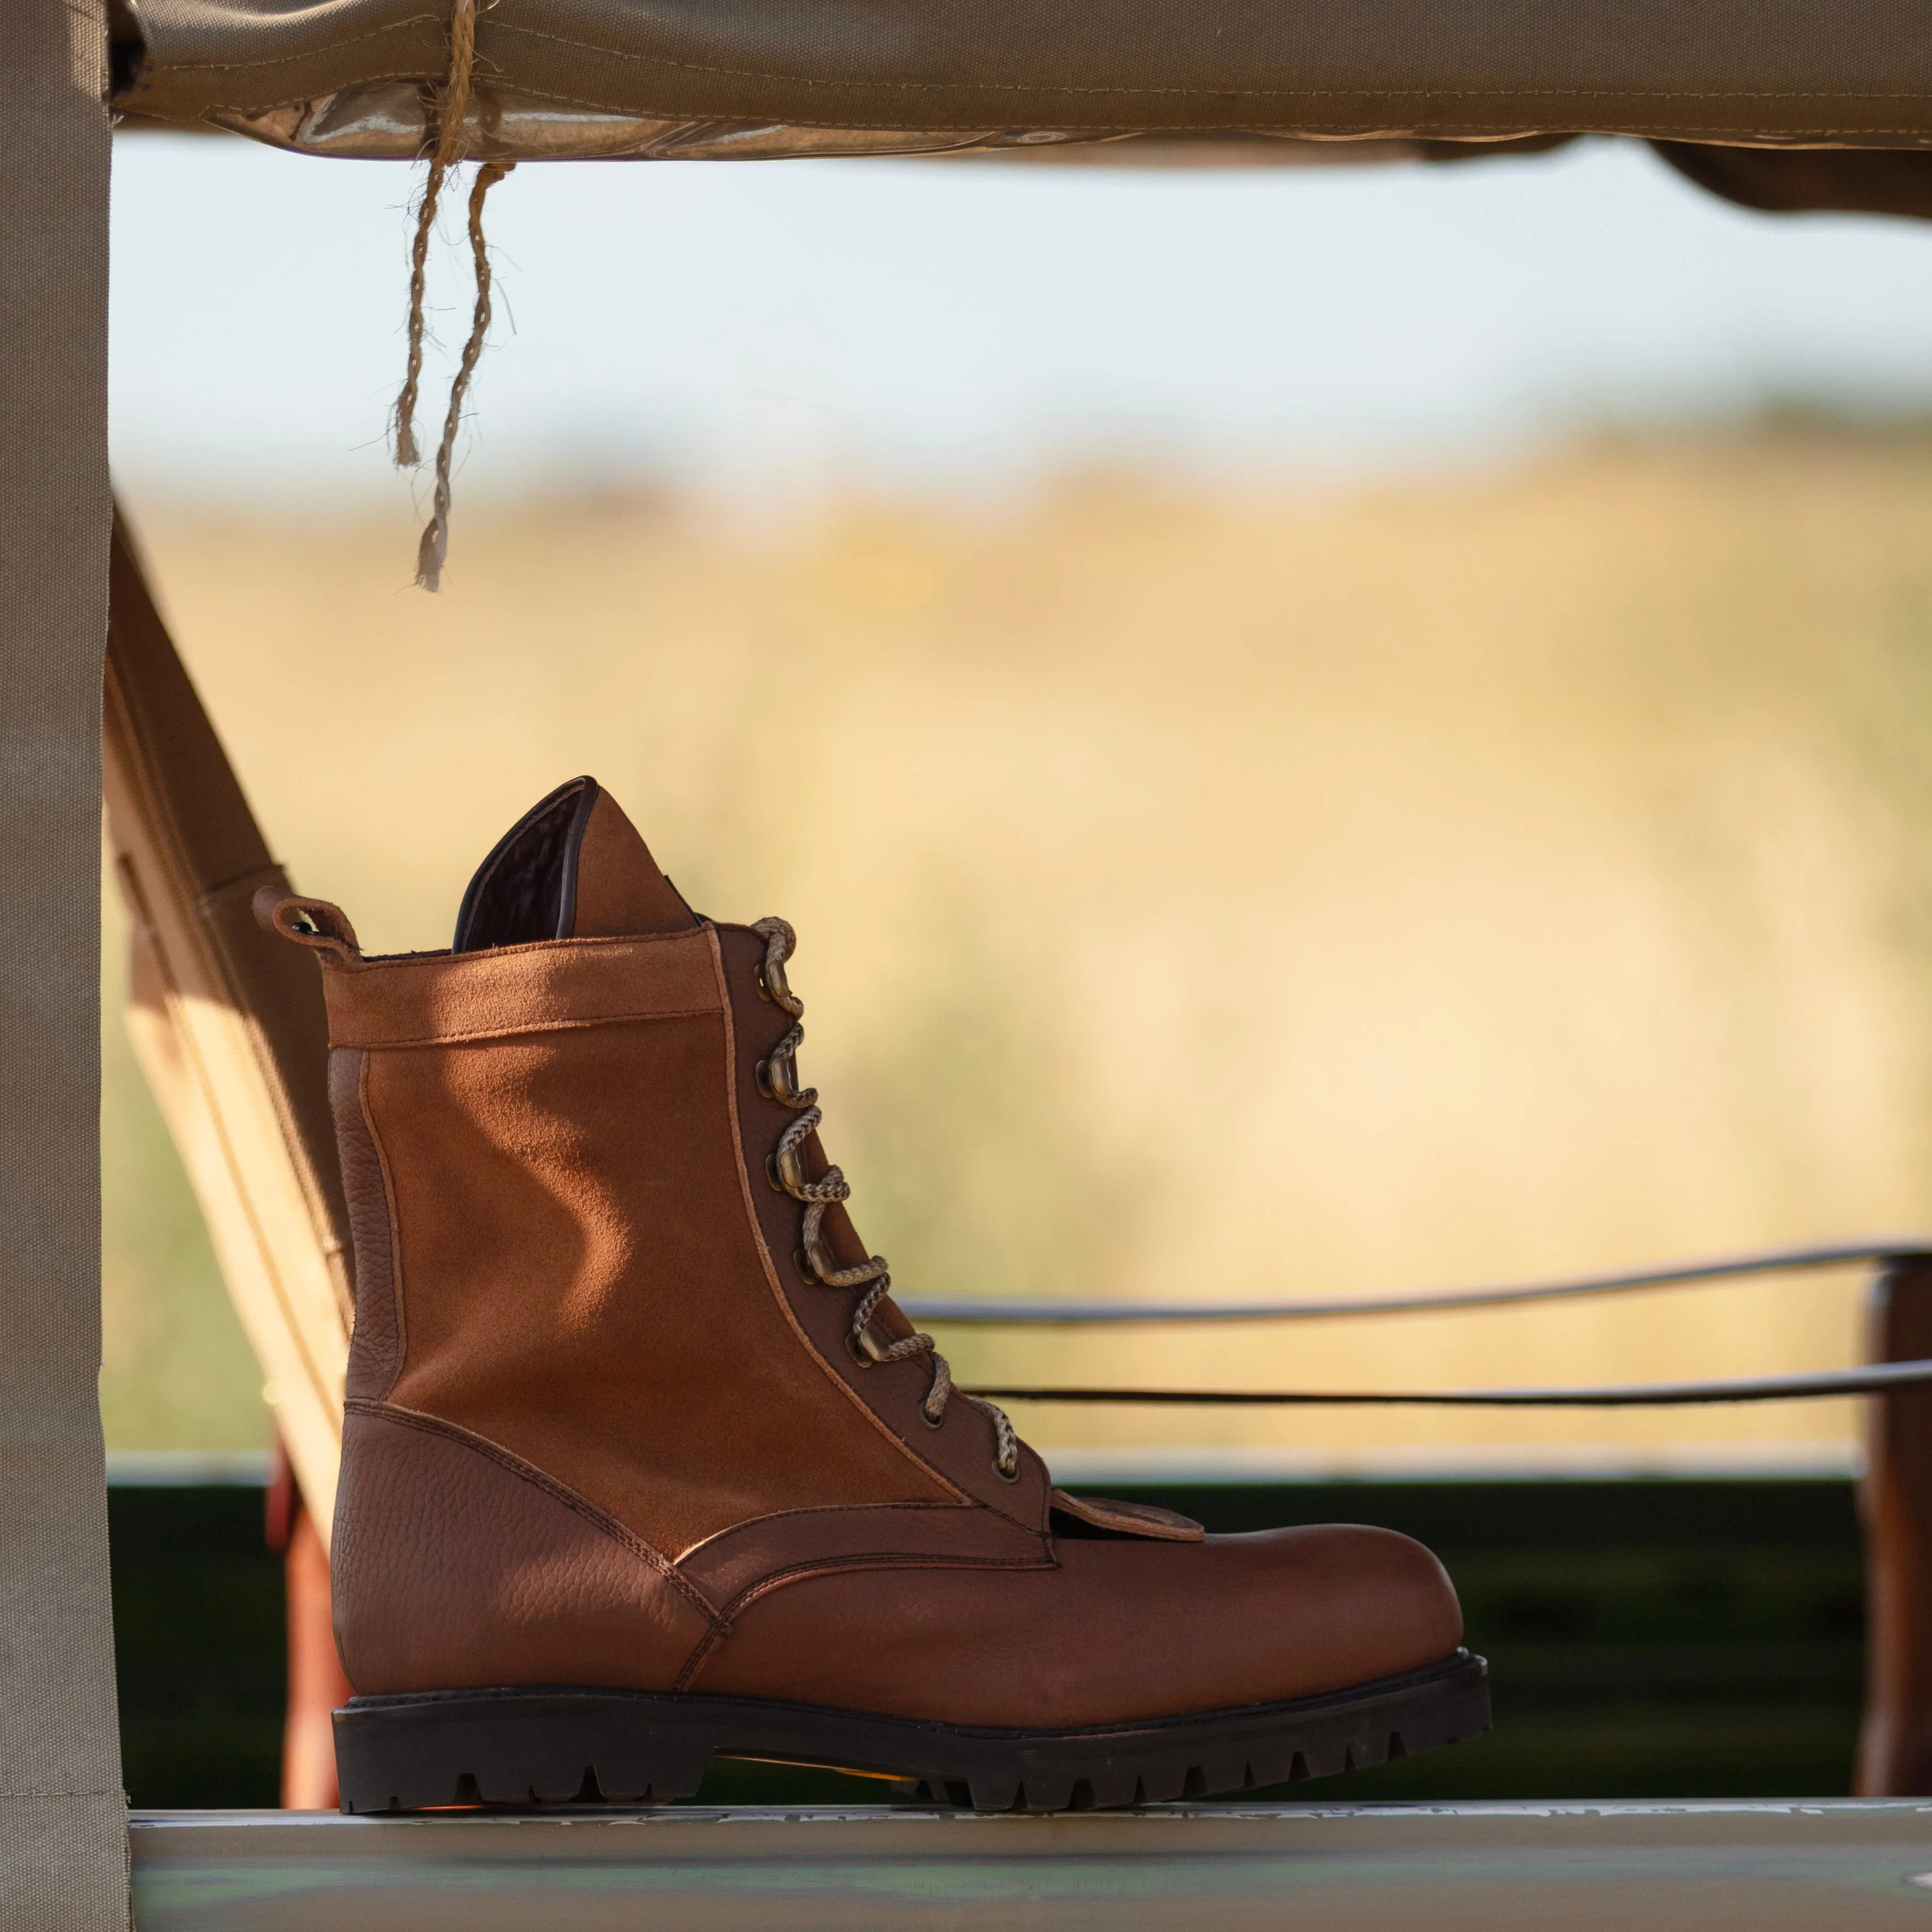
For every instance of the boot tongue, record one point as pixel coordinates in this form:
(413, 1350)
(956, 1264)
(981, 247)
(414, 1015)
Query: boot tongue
(573, 867)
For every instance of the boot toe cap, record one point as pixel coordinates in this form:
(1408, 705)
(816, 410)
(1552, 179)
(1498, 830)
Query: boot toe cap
(1118, 1630)
(1267, 1617)
(1345, 1603)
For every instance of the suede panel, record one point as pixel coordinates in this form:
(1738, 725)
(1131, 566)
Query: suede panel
(1120, 1629)
(582, 1284)
(441, 997)
(961, 1449)
(619, 890)
(456, 1569)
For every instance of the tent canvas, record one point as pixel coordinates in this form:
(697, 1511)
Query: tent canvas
(760, 77)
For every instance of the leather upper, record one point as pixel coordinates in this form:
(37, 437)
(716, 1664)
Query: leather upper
(603, 1429)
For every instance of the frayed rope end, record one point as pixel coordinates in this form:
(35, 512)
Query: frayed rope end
(432, 550)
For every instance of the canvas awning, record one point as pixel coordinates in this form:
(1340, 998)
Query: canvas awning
(588, 78)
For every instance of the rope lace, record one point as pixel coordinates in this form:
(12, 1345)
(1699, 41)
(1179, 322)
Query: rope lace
(777, 1077)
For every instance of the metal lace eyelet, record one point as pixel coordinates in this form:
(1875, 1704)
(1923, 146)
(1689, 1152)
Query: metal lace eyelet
(788, 1171)
(866, 1347)
(772, 984)
(819, 1261)
(1004, 1476)
(778, 1079)
(932, 1421)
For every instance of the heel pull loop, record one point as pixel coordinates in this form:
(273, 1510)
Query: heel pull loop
(321, 926)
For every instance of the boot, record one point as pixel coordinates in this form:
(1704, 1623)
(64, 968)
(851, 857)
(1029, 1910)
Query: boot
(642, 1464)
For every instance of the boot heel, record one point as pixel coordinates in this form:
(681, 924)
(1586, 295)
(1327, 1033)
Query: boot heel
(426, 1750)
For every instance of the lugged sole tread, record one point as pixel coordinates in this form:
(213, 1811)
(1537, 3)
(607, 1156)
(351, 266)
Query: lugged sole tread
(543, 1747)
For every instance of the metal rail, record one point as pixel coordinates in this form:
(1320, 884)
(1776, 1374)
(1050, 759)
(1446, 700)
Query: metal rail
(1877, 1379)
(1684, 1274)
(1668, 1866)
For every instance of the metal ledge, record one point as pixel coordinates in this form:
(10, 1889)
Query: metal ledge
(1844, 1864)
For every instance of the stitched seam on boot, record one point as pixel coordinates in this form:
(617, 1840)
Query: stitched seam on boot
(520, 1029)
(790, 1314)
(821, 1509)
(401, 962)
(880, 1559)
(955, 1510)
(398, 1315)
(509, 1459)
(830, 1567)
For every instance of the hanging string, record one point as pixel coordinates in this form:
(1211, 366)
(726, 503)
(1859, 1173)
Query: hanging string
(452, 107)
(434, 546)
(452, 104)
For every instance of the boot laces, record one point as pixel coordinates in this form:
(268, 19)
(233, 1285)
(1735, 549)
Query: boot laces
(777, 1077)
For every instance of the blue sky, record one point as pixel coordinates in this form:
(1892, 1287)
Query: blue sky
(787, 326)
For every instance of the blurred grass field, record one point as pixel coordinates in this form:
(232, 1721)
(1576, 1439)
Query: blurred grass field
(1198, 894)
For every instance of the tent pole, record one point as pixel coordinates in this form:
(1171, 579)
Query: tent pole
(1895, 1502)
(63, 1815)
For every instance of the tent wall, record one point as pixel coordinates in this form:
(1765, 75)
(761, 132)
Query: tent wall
(63, 1817)
(733, 73)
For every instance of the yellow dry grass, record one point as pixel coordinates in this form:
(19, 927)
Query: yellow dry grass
(1217, 896)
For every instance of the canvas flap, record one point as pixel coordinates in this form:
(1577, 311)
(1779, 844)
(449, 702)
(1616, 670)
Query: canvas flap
(228, 1025)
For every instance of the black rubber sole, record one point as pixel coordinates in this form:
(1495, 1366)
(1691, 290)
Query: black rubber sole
(560, 1745)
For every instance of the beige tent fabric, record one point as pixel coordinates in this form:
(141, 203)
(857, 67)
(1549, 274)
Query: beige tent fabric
(770, 76)
(63, 1817)
(229, 1024)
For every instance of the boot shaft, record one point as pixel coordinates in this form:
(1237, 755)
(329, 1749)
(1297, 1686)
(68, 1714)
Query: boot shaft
(558, 1152)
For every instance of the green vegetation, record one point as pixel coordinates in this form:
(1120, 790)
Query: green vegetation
(177, 1371)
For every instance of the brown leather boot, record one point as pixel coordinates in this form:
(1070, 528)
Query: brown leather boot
(640, 1464)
